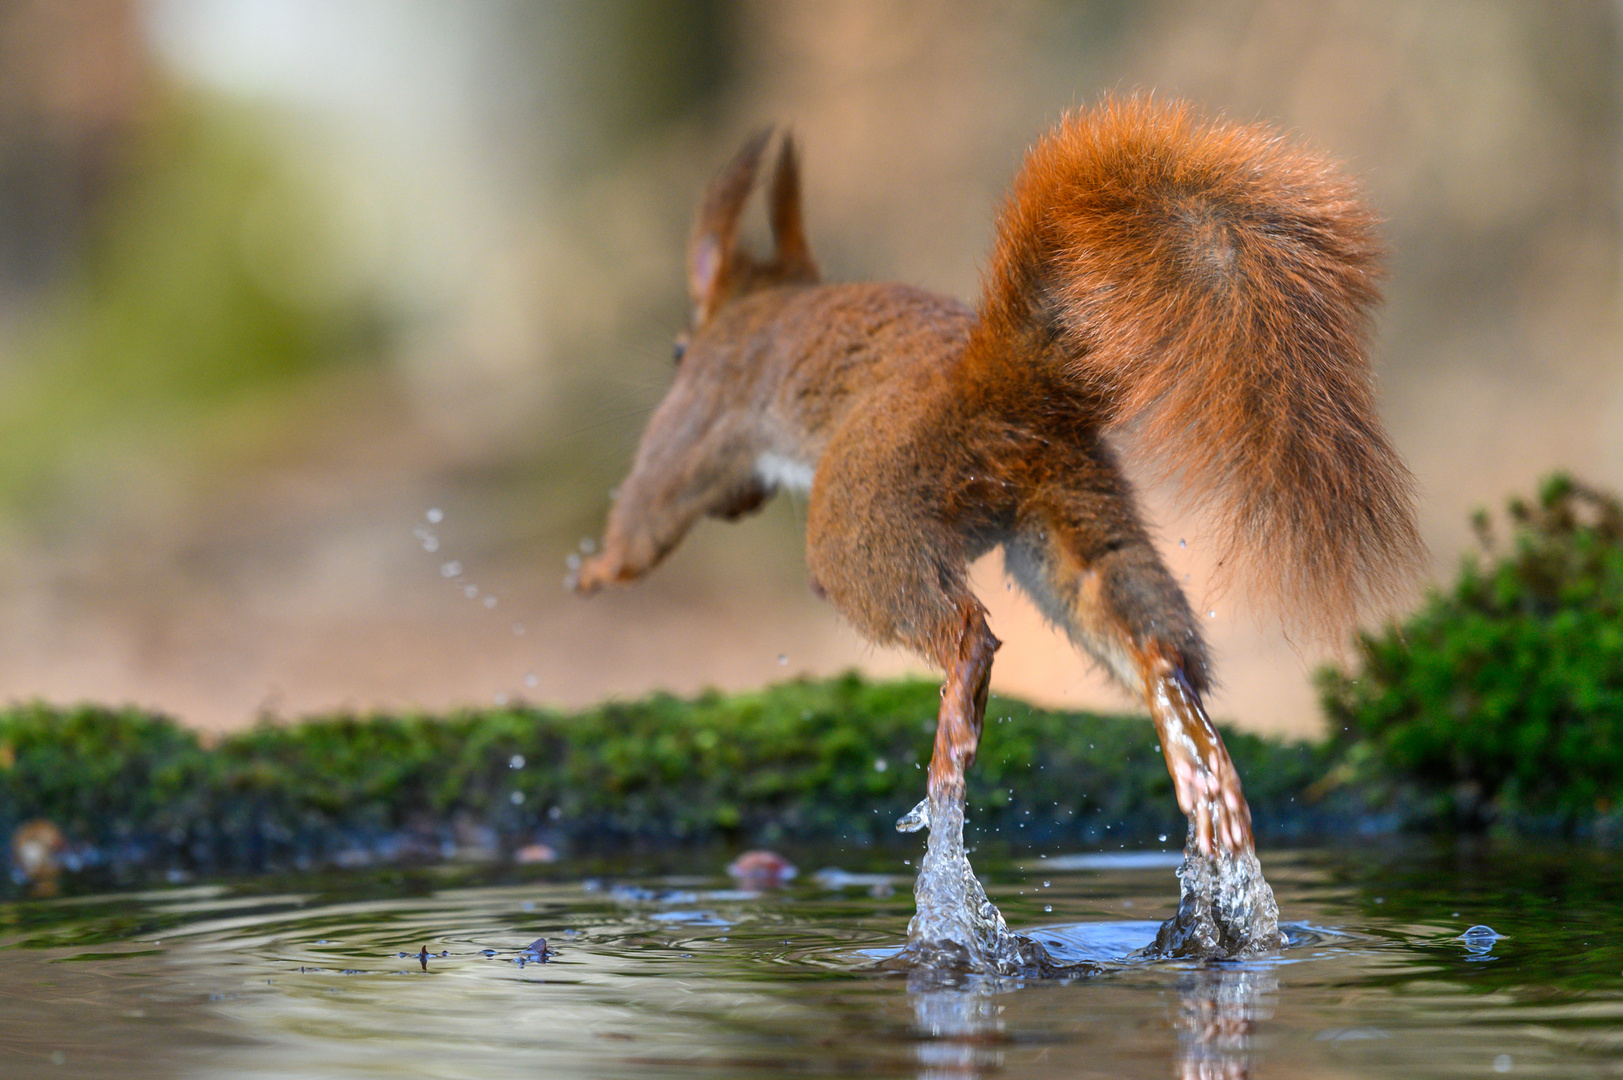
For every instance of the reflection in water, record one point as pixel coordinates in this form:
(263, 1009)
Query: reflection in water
(1217, 1009)
(674, 979)
(961, 1028)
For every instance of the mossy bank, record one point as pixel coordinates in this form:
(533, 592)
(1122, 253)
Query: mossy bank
(1499, 704)
(832, 761)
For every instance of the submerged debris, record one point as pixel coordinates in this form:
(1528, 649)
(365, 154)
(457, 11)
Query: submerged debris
(533, 854)
(759, 870)
(536, 952)
(36, 851)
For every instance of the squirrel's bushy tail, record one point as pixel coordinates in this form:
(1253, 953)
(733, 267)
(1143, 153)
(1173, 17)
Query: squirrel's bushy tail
(1210, 286)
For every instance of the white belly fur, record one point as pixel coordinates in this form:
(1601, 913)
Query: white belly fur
(784, 473)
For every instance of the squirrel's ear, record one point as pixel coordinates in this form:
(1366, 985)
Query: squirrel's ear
(711, 250)
(794, 260)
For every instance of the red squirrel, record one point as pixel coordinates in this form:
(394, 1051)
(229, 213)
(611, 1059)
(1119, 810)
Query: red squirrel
(1199, 289)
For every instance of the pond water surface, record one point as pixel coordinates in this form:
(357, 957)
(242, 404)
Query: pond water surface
(426, 973)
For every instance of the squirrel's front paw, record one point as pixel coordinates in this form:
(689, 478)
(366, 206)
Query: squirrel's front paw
(593, 574)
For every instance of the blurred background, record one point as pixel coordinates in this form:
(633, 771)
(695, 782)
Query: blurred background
(326, 326)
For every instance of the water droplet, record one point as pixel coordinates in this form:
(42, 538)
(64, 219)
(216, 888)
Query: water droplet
(588, 545)
(501, 700)
(1479, 940)
(1048, 907)
(431, 544)
(1162, 838)
(470, 591)
(880, 765)
(490, 601)
(516, 761)
(783, 659)
(518, 629)
(435, 516)
(555, 813)
(572, 561)
(1212, 614)
(915, 819)
(1183, 543)
(516, 798)
(532, 680)
(1502, 1063)
(451, 569)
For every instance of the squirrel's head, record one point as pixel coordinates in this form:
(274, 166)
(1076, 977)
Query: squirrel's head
(700, 453)
(717, 270)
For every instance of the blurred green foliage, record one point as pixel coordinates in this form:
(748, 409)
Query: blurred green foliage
(190, 311)
(833, 760)
(1502, 699)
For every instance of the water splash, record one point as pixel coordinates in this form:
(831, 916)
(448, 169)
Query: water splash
(1226, 909)
(956, 928)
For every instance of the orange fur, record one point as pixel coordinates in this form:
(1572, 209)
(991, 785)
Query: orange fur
(1211, 286)
(1201, 287)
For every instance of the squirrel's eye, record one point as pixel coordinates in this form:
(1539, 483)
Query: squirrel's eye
(680, 348)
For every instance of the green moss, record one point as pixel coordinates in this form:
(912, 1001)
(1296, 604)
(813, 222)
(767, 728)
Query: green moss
(834, 760)
(1502, 699)
(88, 769)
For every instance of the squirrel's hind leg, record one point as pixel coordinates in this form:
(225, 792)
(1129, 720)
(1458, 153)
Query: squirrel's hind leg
(1093, 572)
(897, 574)
(963, 702)
(943, 623)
